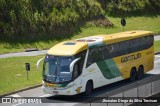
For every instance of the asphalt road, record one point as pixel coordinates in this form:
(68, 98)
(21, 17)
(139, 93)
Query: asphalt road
(72, 100)
(157, 37)
(35, 53)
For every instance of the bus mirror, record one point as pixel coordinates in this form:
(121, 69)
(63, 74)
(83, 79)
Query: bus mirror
(72, 64)
(38, 62)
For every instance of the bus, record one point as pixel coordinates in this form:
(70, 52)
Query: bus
(83, 64)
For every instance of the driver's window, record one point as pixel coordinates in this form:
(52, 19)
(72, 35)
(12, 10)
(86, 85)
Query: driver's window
(75, 72)
(78, 67)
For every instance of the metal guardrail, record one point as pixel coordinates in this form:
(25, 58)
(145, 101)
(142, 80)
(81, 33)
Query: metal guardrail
(140, 89)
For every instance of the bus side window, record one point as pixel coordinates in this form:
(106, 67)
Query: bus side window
(92, 56)
(143, 43)
(103, 53)
(107, 53)
(124, 47)
(150, 41)
(78, 67)
(115, 50)
(133, 45)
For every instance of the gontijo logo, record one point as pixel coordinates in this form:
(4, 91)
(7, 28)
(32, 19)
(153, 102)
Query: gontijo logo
(131, 57)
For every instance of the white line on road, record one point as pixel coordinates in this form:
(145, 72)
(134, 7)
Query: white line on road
(15, 95)
(157, 55)
(157, 61)
(47, 95)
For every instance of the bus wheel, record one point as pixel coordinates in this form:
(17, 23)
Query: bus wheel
(133, 74)
(140, 72)
(89, 88)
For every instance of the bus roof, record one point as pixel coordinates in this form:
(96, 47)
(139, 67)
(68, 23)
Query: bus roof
(122, 36)
(69, 48)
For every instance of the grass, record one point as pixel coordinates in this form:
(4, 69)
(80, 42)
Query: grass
(139, 23)
(133, 23)
(157, 46)
(13, 73)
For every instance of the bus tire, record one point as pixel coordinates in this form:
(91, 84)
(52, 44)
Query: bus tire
(140, 72)
(89, 88)
(133, 74)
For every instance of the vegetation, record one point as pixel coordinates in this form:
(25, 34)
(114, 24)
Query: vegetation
(21, 19)
(13, 73)
(41, 19)
(157, 46)
(133, 23)
(131, 7)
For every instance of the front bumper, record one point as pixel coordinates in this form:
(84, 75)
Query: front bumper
(57, 91)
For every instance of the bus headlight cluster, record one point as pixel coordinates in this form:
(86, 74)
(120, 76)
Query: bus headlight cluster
(56, 87)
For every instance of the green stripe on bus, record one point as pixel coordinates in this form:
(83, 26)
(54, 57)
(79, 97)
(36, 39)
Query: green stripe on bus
(63, 85)
(109, 69)
(105, 69)
(113, 67)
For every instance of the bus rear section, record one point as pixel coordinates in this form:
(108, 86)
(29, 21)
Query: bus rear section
(137, 58)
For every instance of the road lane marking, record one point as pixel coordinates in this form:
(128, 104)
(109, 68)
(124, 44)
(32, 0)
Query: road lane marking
(157, 61)
(47, 95)
(15, 95)
(157, 55)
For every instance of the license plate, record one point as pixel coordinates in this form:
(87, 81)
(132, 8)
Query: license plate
(55, 92)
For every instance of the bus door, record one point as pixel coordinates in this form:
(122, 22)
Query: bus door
(77, 72)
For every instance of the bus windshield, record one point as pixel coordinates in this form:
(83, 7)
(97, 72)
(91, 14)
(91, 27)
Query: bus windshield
(56, 69)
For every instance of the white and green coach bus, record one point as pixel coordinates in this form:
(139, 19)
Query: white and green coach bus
(81, 65)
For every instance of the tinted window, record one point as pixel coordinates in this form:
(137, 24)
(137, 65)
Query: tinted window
(118, 49)
(103, 53)
(78, 67)
(108, 51)
(146, 42)
(143, 43)
(114, 50)
(92, 56)
(134, 45)
(124, 47)
(150, 41)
